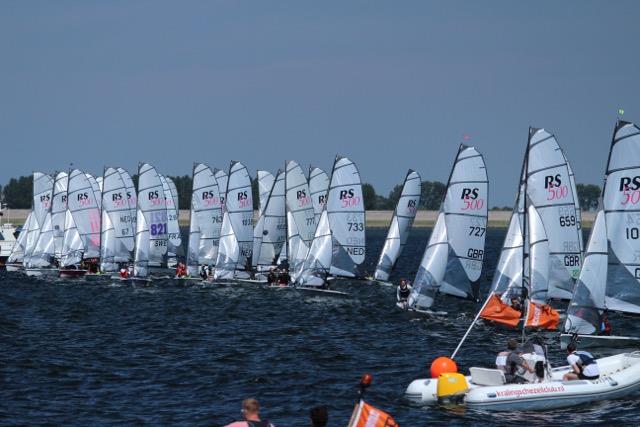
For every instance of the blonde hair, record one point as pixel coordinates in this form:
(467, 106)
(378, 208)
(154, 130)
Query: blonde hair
(251, 406)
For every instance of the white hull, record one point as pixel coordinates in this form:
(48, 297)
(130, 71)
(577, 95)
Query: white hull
(252, 281)
(595, 341)
(619, 376)
(13, 267)
(324, 292)
(42, 272)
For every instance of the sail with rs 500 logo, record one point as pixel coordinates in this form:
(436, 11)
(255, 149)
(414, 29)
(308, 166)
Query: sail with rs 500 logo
(452, 261)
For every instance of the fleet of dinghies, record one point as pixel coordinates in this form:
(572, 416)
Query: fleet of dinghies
(310, 231)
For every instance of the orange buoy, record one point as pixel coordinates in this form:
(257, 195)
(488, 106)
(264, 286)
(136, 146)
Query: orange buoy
(442, 365)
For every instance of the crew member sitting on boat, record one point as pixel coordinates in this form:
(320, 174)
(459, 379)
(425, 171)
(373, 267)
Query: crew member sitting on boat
(284, 278)
(403, 292)
(130, 271)
(515, 366)
(124, 273)
(605, 326)
(204, 272)
(271, 276)
(181, 270)
(583, 363)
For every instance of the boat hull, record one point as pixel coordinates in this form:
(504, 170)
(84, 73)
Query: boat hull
(42, 272)
(13, 267)
(596, 341)
(310, 290)
(69, 273)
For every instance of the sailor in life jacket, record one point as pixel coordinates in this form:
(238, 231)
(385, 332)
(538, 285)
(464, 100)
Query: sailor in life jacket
(583, 363)
(124, 273)
(515, 367)
(403, 292)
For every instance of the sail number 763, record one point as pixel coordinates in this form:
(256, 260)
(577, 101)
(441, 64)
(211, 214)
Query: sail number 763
(477, 231)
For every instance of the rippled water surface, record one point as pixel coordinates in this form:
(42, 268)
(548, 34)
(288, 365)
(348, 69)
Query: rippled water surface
(88, 353)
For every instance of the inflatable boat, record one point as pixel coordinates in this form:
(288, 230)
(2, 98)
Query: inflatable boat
(487, 389)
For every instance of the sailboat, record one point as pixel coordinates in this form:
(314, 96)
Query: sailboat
(117, 234)
(81, 241)
(300, 218)
(452, 261)
(272, 227)
(400, 226)
(318, 186)
(41, 261)
(174, 239)
(205, 221)
(338, 245)
(546, 185)
(236, 237)
(15, 260)
(265, 184)
(58, 210)
(609, 277)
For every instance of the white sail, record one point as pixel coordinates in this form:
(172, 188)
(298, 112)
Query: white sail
(42, 196)
(193, 248)
(265, 183)
(345, 208)
(432, 268)
(31, 240)
(538, 257)
(117, 234)
(100, 181)
(576, 200)
(228, 252)
(239, 207)
(108, 244)
(452, 261)
(507, 280)
(317, 264)
(318, 186)
(58, 211)
(621, 199)
(175, 237)
(42, 255)
(589, 295)
(300, 216)
(72, 244)
(273, 226)
(549, 189)
(400, 226)
(17, 252)
(96, 189)
(223, 180)
(141, 261)
(151, 202)
(84, 208)
(132, 200)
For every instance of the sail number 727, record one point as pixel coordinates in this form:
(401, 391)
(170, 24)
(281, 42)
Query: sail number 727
(477, 231)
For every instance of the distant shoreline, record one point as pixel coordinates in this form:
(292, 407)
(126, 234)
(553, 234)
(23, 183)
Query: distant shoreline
(424, 219)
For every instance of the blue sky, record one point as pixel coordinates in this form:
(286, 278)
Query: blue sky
(392, 85)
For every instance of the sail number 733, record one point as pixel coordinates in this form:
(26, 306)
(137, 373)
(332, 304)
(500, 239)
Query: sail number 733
(477, 231)
(355, 226)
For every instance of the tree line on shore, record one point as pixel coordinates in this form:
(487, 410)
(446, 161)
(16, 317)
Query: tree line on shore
(17, 194)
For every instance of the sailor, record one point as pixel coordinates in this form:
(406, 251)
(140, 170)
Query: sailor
(403, 292)
(204, 273)
(516, 366)
(516, 304)
(284, 278)
(181, 270)
(271, 277)
(251, 415)
(605, 326)
(130, 271)
(583, 363)
(124, 273)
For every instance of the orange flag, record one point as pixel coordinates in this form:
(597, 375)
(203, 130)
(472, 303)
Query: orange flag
(542, 317)
(365, 415)
(499, 312)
